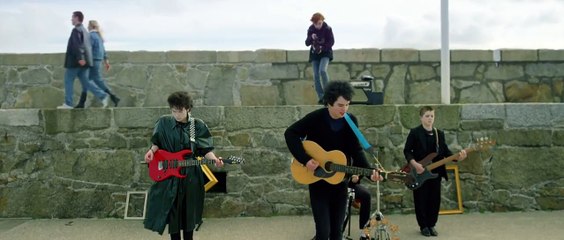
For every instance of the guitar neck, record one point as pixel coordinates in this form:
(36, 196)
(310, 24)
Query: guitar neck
(351, 170)
(447, 160)
(191, 162)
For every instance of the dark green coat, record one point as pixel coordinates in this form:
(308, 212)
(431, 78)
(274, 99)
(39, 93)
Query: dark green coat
(178, 202)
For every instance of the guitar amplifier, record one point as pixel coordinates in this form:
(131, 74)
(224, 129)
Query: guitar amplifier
(366, 84)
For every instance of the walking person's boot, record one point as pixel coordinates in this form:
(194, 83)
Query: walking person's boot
(113, 97)
(82, 100)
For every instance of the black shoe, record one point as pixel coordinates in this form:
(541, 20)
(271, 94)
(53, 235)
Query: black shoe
(433, 231)
(425, 232)
(114, 99)
(82, 100)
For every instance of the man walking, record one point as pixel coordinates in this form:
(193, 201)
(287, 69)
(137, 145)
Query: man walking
(78, 59)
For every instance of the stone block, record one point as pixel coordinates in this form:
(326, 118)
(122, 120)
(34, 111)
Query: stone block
(211, 115)
(477, 94)
(399, 55)
(471, 56)
(521, 168)
(20, 117)
(274, 71)
(270, 139)
(76, 120)
(518, 91)
(519, 55)
(525, 137)
(146, 57)
(528, 115)
(36, 76)
(545, 69)
(236, 56)
(366, 55)
(505, 72)
(220, 85)
(419, 93)
(557, 112)
(40, 97)
(55, 59)
(395, 87)
(138, 117)
(558, 137)
(11, 59)
(299, 92)
(422, 72)
(465, 70)
(550, 203)
(298, 56)
(94, 168)
(118, 57)
(270, 56)
(259, 95)
(551, 54)
(271, 163)
(239, 118)
(191, 57)
(483, 111)
(373, 116)
(430, 55)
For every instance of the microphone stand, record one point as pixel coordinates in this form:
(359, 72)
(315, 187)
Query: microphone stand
(381, 232)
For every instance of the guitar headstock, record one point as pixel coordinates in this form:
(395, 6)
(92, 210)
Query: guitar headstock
(483, 143)
(233, 160)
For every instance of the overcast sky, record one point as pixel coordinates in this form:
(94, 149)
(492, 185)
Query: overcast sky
(34, 26)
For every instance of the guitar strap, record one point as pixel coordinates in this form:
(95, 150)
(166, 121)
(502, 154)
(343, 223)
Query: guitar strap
(363, 142)
(365, 145)
(192, 133)
(437, 140)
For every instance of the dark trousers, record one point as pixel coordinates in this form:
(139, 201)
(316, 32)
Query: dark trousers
(328, 204)
(187, 235)
(362, 194)
(427, 200)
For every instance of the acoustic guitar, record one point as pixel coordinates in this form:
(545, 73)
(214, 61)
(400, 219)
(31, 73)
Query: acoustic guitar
(166, 164)
(332, 167)
(428, 164)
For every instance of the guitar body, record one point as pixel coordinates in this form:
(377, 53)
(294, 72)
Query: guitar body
(304, 176)
(419, 179)
(165, 164)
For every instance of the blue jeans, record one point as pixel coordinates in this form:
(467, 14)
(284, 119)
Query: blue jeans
(320, 76)
(82, 74)
(96, 76)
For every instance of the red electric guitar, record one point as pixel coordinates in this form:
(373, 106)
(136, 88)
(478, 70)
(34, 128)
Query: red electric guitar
(166, 164)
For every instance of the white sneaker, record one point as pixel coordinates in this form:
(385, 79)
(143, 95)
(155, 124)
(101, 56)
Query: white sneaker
(64, 106)
(106, 101)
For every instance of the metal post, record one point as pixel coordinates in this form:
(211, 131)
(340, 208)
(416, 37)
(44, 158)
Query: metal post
(445, 54)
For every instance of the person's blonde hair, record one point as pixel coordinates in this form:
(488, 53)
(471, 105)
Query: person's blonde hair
(96, 26)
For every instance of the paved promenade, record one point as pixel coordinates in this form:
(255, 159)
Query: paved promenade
(546, 225)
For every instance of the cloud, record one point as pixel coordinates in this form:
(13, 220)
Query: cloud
(44, 26)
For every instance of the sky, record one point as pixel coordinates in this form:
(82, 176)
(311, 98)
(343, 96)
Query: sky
(43, 26)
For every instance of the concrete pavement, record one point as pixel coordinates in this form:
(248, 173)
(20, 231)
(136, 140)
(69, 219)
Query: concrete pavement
(546, 225)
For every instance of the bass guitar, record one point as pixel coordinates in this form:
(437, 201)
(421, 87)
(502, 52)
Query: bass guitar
(428, 164)
(332, 167)
(166, 164)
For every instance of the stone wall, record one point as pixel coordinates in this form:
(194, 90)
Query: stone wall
(279, 77)
(81, 163)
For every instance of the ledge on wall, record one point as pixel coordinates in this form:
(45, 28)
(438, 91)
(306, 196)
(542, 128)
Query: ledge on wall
(364, 55)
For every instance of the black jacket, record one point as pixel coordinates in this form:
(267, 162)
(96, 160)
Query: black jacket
(416, 148)
(78, 48)
(323, 45)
